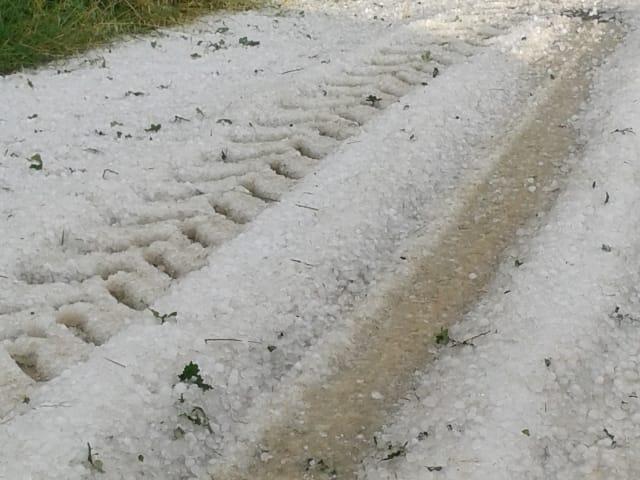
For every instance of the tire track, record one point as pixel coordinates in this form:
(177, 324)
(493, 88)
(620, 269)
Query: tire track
(97, 282)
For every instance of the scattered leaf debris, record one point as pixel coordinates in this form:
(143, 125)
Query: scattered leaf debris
(619, 316)
(373, 100)
(198, 416)
(468, 341)
(244, 41)
(154, 127)
(394, 452)
(624, 131)
(163, 317)
(293, 70)
(587, 14)
(610, 436)
(108, 170)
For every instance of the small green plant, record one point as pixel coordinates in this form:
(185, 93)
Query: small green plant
(191, 374)
(442, 337)
(426, 56)
(154, 127)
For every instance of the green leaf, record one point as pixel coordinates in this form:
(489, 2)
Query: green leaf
(191, 374)
(36, 162)
(190, 371)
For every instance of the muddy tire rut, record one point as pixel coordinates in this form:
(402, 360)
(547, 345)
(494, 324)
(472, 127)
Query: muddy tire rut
(333, 428)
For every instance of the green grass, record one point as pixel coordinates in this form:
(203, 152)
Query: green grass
(33, 32)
